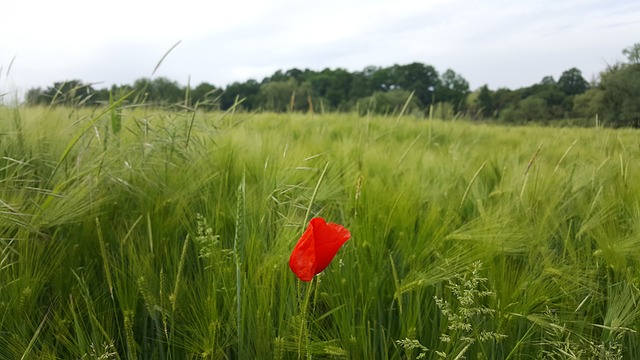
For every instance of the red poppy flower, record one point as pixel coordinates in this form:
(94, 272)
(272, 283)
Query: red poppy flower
(316, 248)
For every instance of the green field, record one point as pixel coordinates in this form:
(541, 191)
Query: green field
(141, 233)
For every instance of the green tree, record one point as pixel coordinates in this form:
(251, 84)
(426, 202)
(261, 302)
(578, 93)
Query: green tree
(205, 95)
(533, 108)
(621, 99)
(159, 91)
(142, 87)
(453, 89)
(504, 98)
(304, 99)
(548, 81)
(486, 102)
(247, 92)
(278, 76)
(167, 91)
(633, 53)
(589, 104)
(420, 78)
(557, 103)
(72, 92)
(381, 79)
(118, 91)
(334, 86)
(100, 96)
(300, 76)
(360, 86)
(35, 96)
(571, 82)
(277, 95)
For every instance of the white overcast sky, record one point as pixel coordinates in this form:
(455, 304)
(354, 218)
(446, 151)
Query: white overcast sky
(502, 43)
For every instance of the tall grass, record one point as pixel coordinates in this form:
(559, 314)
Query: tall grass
(138, 233)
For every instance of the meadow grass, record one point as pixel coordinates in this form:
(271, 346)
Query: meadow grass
(165, 234)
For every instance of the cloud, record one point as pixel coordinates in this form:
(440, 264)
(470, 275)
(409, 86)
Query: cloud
(500, 43)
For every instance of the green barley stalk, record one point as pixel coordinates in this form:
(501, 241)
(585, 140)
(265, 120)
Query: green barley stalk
(405, 106)
(304, 334)
(32, 343)
(238, 239)
(315, 193)
(564, 155)
(150, 233)
(183, 256)
(304, 331)
(128, 329)
(105, 259)
(473, 179)
(164, 56)
(163, 305)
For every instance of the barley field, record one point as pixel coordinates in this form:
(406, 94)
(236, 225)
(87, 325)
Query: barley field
(146, 233)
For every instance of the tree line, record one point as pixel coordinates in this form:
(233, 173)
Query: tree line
(413, 88)
(614, 97)
(376, 89)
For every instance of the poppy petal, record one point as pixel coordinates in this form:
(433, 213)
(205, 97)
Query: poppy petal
(329, 238)
(303, 258)
(316, 248)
